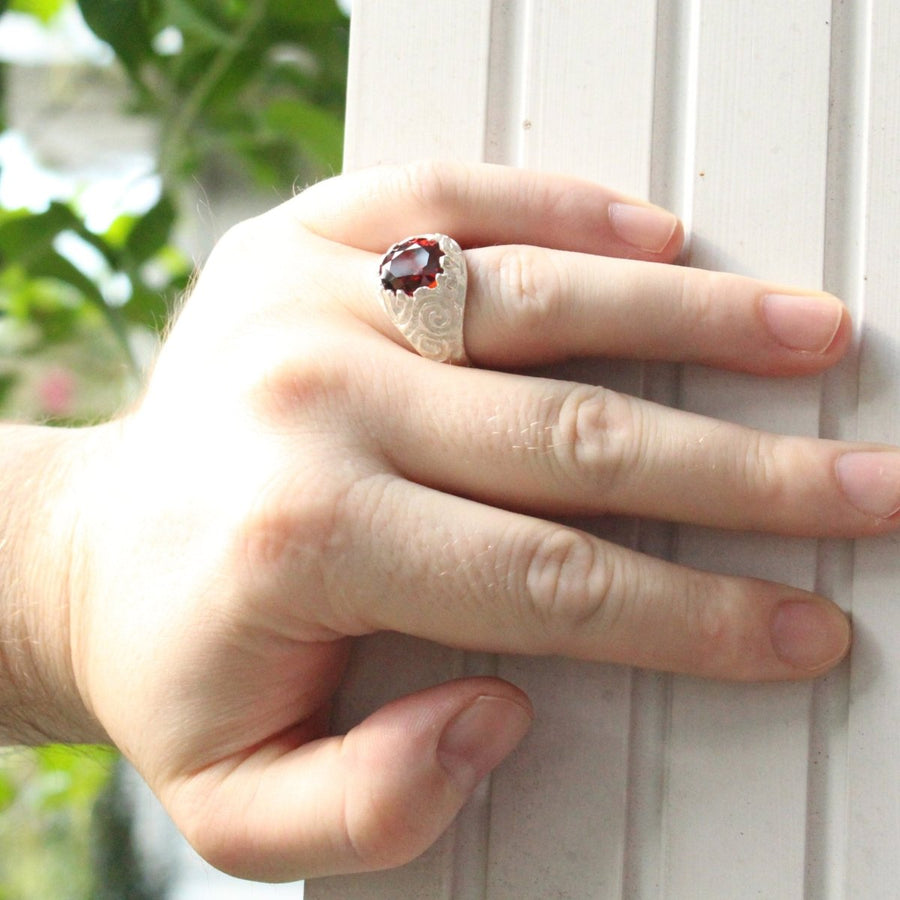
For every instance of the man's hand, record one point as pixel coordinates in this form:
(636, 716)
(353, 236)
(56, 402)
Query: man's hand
(296, 476)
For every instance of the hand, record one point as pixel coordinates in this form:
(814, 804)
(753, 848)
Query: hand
(296, 476)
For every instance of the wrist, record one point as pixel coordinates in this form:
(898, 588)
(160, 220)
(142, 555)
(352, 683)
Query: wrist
(41, 576)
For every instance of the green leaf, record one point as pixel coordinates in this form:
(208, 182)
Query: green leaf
(72, 776)
(315, 130)
(24, 235)
(8, 787)
(151, 231)
(195, 26)
(315, 12)
(51, 264)
(126, 25)
(7, 383)
(45, 10)
(148, 308)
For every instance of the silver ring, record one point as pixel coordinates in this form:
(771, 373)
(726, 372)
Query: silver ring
(423, 291)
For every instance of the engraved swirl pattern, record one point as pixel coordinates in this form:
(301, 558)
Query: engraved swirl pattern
(432, 318)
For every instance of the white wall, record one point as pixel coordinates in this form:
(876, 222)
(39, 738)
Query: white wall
(773, 128)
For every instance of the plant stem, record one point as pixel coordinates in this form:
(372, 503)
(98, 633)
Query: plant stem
(177, 134)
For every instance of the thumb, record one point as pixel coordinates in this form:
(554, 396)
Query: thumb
(373, 799)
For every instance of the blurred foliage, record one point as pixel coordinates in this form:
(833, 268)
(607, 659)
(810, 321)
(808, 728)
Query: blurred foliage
(47, 798)
(245, 93)
(45, 10)
(69, 335)
(254, 86)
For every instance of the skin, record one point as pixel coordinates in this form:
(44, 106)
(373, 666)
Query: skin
(184, 581)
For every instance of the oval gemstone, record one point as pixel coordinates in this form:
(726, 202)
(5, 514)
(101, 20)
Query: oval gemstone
(412, 264)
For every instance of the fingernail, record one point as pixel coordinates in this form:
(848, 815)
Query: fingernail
(478, 738)
(803, 321)
(648, 228)
(870, 480)
(809, 634)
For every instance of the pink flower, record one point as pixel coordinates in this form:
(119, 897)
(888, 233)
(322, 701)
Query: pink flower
(56, 392)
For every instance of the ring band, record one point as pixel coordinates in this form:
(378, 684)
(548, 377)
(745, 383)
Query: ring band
(423, 291)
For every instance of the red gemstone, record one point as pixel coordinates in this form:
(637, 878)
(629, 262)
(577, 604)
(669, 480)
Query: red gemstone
(412, 264)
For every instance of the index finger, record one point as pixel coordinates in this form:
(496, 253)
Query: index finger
(484, 204)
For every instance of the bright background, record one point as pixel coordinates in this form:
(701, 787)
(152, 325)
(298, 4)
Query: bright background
(131, 136)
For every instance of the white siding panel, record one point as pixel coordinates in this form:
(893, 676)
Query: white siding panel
(874, 723)
(773, 128)
(560, 810)
(417, 83)
(589, 91)
(738, 755)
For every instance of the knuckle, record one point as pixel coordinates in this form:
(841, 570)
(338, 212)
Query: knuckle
(289, 531)
(383, 835)
(246, 232)
(714, 618)
(757, 470)
(711, 631)
(695, 300)
(385, 824)
(225, 852)
(301, 541)
(294, 379)
(698, 616)
(225, 844)
(245, 279)
(432, 185)
(529, 286)
(568, 583)
(595, 435)
(250, 237)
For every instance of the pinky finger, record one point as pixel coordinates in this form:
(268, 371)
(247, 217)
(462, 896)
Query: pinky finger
(372, 799)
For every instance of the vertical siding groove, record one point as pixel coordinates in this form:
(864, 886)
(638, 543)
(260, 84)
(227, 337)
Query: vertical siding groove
(843, 274)
(472, 829)
(874, 723)
(650, 711)
(671, 162)
(507, 68)
(507, 74)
